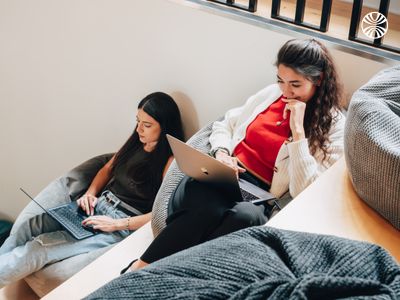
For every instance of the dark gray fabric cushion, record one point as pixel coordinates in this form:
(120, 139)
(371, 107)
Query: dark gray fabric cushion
(265, 263)
(372, 143)
(70, 186)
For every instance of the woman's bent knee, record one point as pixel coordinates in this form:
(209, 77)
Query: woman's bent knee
(246, 214)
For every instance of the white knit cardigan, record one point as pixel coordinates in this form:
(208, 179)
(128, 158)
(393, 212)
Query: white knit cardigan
(295, 167)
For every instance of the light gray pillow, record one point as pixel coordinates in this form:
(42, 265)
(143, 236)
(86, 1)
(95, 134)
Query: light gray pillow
(372, 143)
(160, 207)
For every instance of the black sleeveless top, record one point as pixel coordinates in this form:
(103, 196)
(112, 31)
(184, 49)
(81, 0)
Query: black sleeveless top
(139, 194)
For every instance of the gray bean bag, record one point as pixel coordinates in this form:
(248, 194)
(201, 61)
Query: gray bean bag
(73, 185)
(172, 178)
(372, 143)
(265, 263)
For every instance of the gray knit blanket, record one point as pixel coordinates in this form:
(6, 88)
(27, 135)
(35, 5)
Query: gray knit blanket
(265, 263)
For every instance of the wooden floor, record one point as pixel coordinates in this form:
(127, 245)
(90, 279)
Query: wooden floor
(330, 205)
(17, 291)
(340, 17)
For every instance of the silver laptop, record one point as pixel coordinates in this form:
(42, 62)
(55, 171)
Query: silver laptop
(205, 168)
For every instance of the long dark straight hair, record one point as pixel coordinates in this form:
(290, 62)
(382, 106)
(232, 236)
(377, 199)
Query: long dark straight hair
(148, 172)
(311, 59)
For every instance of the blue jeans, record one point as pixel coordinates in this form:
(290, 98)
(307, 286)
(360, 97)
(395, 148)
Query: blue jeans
(41, 241)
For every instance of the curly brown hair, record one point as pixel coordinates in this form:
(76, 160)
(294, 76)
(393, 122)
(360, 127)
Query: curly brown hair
(311, 59)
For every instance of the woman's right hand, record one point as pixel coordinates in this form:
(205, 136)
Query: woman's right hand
(230, 161)
(87, 202)
(297, 110)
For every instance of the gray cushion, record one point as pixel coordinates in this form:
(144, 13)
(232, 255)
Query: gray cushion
(70, 186)
(372, 143)
(172, 178)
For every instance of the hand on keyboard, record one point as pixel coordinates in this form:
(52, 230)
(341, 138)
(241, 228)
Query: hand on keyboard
(87, 203)
(230, 161)
(104, 223)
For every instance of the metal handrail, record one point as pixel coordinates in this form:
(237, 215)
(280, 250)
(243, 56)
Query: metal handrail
(323, 26)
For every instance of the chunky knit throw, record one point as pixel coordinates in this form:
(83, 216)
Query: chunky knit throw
(265, 263)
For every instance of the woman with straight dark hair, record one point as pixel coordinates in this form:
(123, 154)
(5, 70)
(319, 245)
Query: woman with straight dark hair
(281, 140)
(121, 195)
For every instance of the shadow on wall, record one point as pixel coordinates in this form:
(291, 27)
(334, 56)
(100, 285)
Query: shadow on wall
(4, 216)
(190, 118)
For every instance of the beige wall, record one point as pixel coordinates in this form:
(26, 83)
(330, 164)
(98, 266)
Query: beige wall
(72, 73)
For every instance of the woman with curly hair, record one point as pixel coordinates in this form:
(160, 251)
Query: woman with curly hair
(281, 139)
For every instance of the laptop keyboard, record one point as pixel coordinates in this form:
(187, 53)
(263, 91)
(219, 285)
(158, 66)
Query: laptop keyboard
(71, 219)
(248, 196)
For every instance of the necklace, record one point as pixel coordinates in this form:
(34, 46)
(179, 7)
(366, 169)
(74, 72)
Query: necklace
(279, 123)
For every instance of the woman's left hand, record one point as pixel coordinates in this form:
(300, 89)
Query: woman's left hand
(103, 223)
(297, 109)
